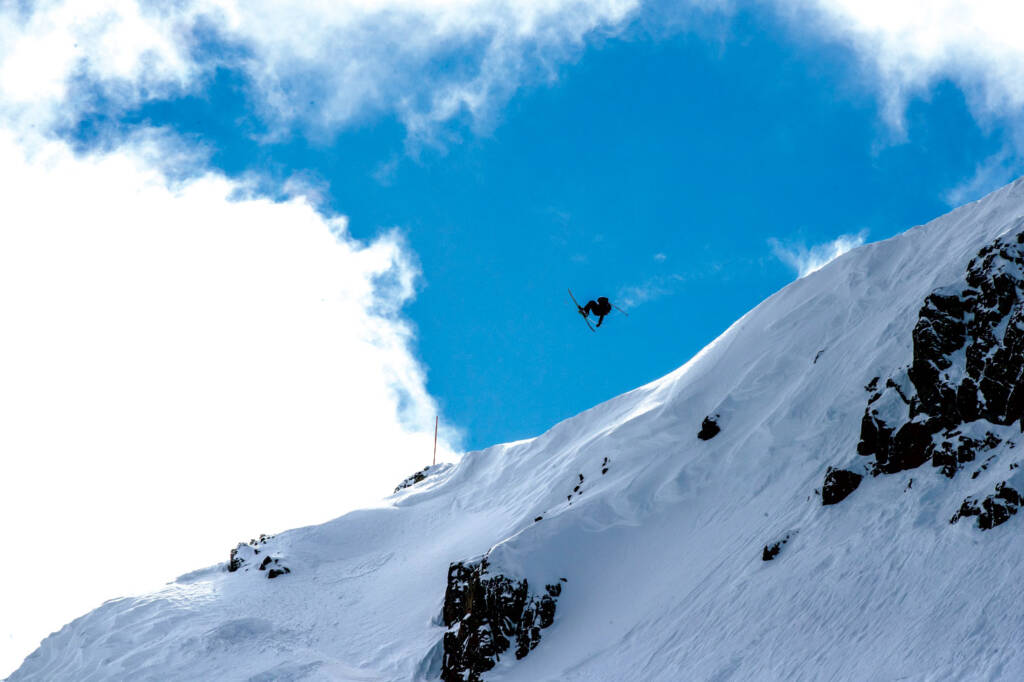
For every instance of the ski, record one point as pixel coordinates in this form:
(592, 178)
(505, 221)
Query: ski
(579, 308)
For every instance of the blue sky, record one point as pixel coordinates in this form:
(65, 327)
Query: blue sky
(250, 250)
(664, 171)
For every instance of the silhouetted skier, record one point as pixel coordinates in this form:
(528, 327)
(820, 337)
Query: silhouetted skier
(600, 308)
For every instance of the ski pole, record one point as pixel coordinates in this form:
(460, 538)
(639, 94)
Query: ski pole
(620, 310)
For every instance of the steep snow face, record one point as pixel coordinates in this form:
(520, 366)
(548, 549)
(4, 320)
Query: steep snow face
(619, 545)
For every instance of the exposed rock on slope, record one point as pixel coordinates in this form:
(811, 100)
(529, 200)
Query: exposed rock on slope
(709, 428)
(994, 509)
(968, 365)
(422, 475)
(839, 483)
(247, 555)
(486, 614)
(772, 550)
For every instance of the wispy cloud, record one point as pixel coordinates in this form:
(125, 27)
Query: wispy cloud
(992, 173)
(324, 66)
(908, 48)
(633, 295)
(807, 260)
(385, 172)
(320, 66)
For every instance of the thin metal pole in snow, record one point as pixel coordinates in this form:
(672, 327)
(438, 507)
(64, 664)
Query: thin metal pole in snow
(436, 418)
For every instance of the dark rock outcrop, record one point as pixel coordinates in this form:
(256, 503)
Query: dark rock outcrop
(237, 559)
(246, 551)
(275, 567)
(992, 510)
(485, 615)
(709, 428)
(771, 551)
(425, 473)
(839, 483)
(412, 480)
(243, 557)
(955, 449)
(968, 365)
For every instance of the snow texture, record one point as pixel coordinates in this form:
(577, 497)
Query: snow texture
(655, 537)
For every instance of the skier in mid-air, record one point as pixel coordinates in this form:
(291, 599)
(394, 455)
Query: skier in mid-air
(601, 307)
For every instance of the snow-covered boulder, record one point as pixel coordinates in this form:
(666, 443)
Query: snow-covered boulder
(259, 554)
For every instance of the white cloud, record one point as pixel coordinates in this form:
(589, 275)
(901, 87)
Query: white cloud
(807, 260)
(319, 65)
(911, 46)
(326, 65)
(135, 50)
(906, 49)
(181, 371)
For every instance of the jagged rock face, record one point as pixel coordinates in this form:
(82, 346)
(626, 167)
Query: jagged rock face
(955, 449)
(968, 365)
(839, 483)
(992, 510)
(485, 614)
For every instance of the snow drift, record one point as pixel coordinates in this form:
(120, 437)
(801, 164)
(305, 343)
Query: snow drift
(848, 512)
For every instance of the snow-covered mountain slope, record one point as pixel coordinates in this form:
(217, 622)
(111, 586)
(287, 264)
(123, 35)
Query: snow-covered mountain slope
(620, 546)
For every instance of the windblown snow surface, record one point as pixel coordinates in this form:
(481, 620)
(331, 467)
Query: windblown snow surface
(659, 558)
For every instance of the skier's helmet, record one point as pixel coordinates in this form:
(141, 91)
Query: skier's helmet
(602, 299)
